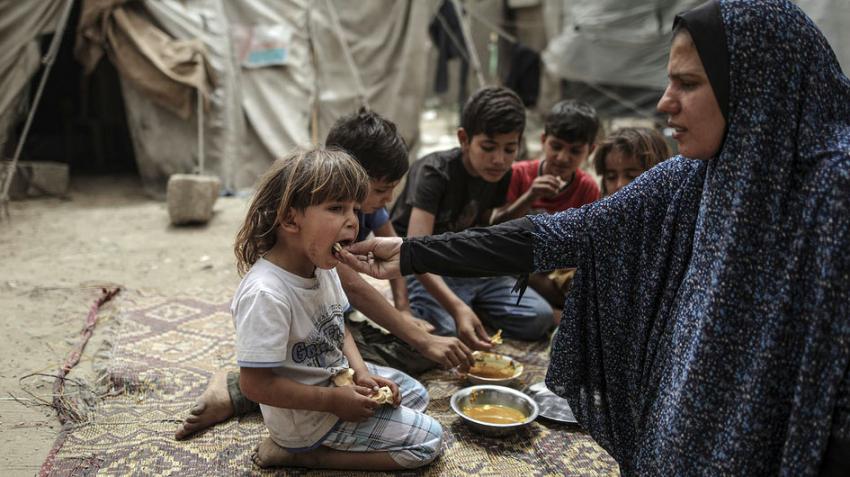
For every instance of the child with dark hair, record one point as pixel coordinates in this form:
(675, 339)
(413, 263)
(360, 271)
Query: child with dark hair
(374, 142)
(626, 154)
(456, 189)
(555, 182)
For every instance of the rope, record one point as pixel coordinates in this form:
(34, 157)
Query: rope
(346, 52)
(496, 28)
(74, 356)
(619, 99)
(63, 411)
(47, 61)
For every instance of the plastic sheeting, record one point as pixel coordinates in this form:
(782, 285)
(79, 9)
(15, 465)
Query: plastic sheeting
(165, 144)
(623, 42)
(626, 42)
(388, 40)
(276, 100)
(21, 23)
(260, 113)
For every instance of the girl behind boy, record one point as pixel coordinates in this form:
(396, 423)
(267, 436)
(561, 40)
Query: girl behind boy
(626, 154)
(620, 158)
(290, 335)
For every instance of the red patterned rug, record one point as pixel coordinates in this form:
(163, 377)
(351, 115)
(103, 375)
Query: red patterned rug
(167, 347)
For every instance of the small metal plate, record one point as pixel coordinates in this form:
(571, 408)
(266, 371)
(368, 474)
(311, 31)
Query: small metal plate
(551, 405)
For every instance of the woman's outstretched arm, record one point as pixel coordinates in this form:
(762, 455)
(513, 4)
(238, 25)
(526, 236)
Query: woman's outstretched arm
(504, 249)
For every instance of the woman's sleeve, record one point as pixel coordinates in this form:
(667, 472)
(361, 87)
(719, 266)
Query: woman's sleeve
(511, 248)
(547, 241)
(503, 249)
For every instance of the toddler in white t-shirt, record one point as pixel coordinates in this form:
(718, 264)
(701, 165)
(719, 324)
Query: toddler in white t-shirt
(291, 339)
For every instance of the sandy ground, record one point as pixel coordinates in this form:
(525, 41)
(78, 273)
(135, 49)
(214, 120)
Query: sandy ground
(54, 257)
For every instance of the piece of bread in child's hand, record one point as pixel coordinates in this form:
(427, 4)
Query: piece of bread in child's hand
(384, 395)
(344, 378)
(496, 338)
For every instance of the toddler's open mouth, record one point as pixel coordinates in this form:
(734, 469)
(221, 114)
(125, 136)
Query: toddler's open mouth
(338, 246)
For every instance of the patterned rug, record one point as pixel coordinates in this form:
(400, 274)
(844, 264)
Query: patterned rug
(167, 347)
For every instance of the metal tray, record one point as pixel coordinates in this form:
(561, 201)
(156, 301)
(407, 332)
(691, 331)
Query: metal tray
(551, 405)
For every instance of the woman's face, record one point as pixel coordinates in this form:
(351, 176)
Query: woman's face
(689, 102)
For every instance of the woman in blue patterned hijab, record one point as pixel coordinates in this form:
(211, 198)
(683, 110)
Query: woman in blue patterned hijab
(708, 330)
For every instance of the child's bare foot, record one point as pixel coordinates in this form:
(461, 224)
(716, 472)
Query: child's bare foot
(213, 406)
(269, 454)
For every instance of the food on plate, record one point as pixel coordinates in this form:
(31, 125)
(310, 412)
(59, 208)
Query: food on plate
(494, 413)
(491, 365)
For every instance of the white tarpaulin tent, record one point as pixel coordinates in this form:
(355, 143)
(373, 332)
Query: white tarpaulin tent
(626, 42)
(280, 72)
(21, 26)
(259, 113)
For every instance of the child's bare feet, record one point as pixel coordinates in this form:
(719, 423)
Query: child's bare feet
(269, 454)
(213, 406)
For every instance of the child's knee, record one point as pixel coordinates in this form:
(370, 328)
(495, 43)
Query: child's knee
(416, 397)
(430, 449)
(434, 446)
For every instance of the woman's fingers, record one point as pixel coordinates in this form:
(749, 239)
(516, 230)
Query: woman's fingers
(369, 264)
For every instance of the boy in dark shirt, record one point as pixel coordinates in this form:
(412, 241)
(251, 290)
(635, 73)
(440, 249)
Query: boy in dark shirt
(449, 191)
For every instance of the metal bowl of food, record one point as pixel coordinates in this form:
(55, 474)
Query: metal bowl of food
(494, 410)
(493, 368)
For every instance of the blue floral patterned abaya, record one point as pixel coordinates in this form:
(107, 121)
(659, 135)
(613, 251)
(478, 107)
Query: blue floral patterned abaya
(708, 332)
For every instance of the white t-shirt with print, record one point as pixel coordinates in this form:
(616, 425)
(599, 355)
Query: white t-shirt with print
(294, 325)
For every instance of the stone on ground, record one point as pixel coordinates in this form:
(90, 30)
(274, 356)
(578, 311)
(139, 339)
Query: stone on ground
(191, 198)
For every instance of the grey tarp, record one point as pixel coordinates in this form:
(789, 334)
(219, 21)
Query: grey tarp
(170, 72)
(626, 42)
(21, 23)
(166, 144)
(389, 42)
(622, 42)
(258, 114)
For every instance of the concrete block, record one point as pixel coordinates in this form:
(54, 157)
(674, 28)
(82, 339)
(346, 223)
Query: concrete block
(191, 198)
(39, 178)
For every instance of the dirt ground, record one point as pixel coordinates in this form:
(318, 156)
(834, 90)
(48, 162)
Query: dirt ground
(55, 255)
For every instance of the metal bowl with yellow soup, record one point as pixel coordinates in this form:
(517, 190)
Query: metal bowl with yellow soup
(494, 410)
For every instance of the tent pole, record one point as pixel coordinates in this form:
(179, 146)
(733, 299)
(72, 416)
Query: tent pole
(47, 61)
(470, 46)
(200, 133)
(314, 94)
